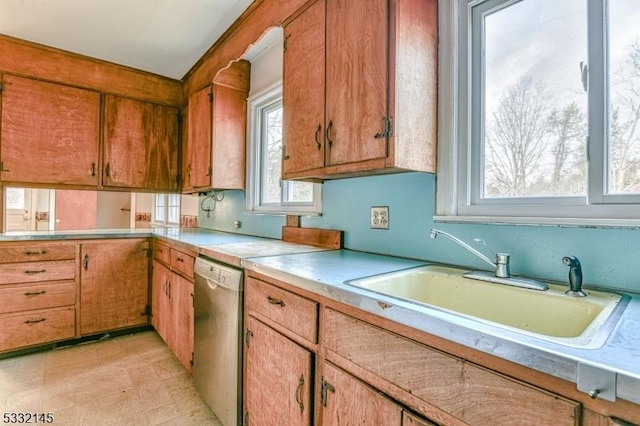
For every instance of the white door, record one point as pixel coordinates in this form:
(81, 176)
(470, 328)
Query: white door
(19, 214)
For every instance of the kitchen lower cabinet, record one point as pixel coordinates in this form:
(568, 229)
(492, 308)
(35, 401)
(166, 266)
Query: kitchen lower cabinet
(366, 370)
(278, 378)
(346, 400)
(49, 133)
(161, 309)
(172, 313)
(114, 278)
(38, 292)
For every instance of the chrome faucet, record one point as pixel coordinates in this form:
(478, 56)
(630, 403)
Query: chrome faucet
(502, 271)
(501, 265)
(575, 276)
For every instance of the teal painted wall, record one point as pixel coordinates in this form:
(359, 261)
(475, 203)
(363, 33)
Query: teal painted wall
(609, 256)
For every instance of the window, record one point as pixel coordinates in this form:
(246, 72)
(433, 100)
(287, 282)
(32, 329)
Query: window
(548, 119)
(266, 191)
(166, 211)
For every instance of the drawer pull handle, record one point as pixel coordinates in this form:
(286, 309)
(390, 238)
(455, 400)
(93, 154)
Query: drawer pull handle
(35, 293)
(274, 301)
(30, 272)
(35, 253)
(35, 321)
(179, 259)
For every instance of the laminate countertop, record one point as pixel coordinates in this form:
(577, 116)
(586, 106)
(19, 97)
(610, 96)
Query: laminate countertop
(326, 273)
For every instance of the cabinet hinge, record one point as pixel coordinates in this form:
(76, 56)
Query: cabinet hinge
(210, 96)
(149, 251)
(179, 179)
(147, 311)
(245, 422)
(191, 362)
(324, 387)
(1, 88)
(285, 45)
(247, 337)
(387, 129)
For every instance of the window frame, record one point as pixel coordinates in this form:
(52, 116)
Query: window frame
(165, 221)
(258, 104)
(459, 160)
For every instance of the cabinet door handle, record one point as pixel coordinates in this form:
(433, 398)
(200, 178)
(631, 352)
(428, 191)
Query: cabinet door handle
(86, 262)
(92, 171)
(35, 253)
(272, 300)
(329, 127)
(35, 293)
(107, 170)
(318, 131)
(32, 272)
(35, 321)
(299, 392)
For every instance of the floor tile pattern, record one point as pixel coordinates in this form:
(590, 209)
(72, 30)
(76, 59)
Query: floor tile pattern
(126, 380)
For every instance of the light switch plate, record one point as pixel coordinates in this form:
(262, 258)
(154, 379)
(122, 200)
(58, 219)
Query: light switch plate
(380, 217)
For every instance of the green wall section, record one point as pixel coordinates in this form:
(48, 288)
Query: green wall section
(610, 257)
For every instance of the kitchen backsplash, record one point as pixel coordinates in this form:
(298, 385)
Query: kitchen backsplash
(608, 256)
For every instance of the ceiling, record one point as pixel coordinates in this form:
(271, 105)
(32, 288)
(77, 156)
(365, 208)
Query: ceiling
(165, 37)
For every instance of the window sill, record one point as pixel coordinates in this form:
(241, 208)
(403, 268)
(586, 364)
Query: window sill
(542, 221)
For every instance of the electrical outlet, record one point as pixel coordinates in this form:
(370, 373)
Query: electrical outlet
(380, 217)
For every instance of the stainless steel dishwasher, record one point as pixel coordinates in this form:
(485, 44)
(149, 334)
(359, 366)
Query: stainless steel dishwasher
(217, 358)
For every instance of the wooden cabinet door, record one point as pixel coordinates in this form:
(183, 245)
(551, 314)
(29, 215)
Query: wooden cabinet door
(140, 144)
(49, 133)
(229, 137)
(161, 310)
(113, 285)
(197, 159)
(181, 296)
(356, 80)
(347, 401)
(277, 378)
(303, 91)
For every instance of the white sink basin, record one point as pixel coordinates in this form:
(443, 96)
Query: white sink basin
(584, 322)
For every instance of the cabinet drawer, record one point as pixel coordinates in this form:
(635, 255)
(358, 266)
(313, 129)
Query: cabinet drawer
(163, 253)
(27, 329)
(471, 393)
(294, 312)
(35, 253)
(25, 297)
(37, 271)
(182, 263)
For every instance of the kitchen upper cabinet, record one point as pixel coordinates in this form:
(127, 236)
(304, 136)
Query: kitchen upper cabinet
(360, 89)
(214, 152)
(197, 147)
(303, 92)
(140, 145)
(49, 133)
(114, 277)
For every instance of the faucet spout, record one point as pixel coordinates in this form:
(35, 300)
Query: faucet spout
(501, 264)
(502, 272)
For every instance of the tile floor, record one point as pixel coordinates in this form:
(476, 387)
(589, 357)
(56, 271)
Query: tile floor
(126, 380)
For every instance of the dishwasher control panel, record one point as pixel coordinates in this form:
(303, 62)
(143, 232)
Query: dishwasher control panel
(218, 273)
